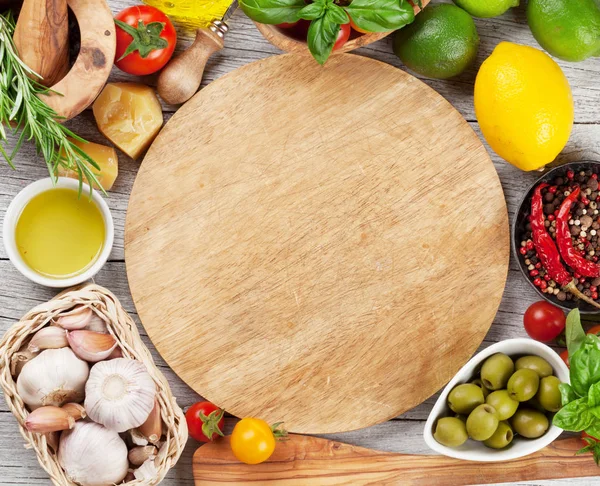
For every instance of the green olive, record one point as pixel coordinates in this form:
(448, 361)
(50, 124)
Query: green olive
(482, 422)
(549, 394)
(501, 438)
(529, 423)
(523, 385)
(464, 398)
(535, 363)
(450, 431)
(480, 384)
(505, 406)
(496, 371)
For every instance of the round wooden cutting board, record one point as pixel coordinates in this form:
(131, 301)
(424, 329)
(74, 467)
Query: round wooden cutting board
(324, 246)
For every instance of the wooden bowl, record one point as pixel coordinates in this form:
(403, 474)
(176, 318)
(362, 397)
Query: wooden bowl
(279, 38)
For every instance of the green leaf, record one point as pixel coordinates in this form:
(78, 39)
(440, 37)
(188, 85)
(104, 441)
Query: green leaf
(575, 416)
(337, 14)
(380, 15)
(585, 365)
(574, 332)
(594, 396)
(322, 35)
(313, 11)
(594, 430)
(272, 11)
(567, 394)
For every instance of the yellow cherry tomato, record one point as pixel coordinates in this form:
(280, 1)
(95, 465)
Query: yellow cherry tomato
(252, 441)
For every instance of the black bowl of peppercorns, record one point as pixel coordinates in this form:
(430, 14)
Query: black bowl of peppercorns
(583, 225)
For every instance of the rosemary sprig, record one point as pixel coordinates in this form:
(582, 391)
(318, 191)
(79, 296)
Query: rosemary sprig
(25, 114)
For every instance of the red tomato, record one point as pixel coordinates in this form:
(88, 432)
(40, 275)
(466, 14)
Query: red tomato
(205, 421)
(565, 357)
(343, 36)
(544, 321)
(594, 330)
(146, 40)
(585, 435)
(287, 25)
(357, 28)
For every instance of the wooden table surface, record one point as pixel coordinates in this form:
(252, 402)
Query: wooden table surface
(245, 44)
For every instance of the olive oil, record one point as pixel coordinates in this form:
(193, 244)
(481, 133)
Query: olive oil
(192, 14)
(60, 234)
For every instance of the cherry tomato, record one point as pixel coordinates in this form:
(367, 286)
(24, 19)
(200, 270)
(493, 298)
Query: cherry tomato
(357, 28)
(544, 321)
(594, 330)
(205, 421)
(146, 40)
(565, 357)
(343, 36)
(253, 440)
(287, 25)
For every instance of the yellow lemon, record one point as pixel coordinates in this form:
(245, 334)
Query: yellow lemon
(524, 105)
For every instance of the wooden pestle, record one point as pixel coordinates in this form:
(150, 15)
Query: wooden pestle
(42, 38)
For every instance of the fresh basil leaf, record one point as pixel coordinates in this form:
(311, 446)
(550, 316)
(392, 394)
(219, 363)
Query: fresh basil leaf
(575, 416)
(322, 35)
(567, 394)
(594, 429)
(380, 15)
(337, 14)
(585, 366)
(313, 11)
(272, 11)
(574, 332)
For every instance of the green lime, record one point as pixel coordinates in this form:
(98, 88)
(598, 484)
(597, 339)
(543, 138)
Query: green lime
(567, 29)
(440, 43)
(486, 9)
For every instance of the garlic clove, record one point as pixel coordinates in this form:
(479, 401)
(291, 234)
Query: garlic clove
(136, 438)
(147, 471)
(52, 439)
(117, 353)
(54, 377)
(77, 318)
(75, 410)
(48, 419)
(139, 455)
(152, 427)
(92, 455)
(129, 477)
(20, 359)
(97, 324)
(50, 337)
(119, 394)
(91, 346)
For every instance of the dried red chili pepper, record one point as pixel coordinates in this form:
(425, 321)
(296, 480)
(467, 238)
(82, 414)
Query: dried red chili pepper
(565, 244)
(547, 251)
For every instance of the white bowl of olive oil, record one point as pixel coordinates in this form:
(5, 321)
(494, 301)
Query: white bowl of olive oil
(55, 235)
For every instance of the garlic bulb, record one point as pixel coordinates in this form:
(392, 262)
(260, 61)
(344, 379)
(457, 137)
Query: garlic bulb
(119, 394)
(92, 455)
(91, 346)
(50, 337)
(54, 377)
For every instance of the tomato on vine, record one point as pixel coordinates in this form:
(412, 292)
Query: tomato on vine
(253, 440)
(205, 421)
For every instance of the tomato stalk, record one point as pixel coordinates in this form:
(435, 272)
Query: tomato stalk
(279, 432)
(146, 37)
(210, 423)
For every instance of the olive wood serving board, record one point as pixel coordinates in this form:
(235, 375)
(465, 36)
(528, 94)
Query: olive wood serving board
(306, 460)
(324, 246)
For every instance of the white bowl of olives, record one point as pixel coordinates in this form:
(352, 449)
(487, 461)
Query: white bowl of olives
(499, 406)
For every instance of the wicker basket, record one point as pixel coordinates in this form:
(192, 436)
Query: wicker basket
(122, 327)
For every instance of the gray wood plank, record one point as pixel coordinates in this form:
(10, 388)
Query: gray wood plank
(245, 44)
